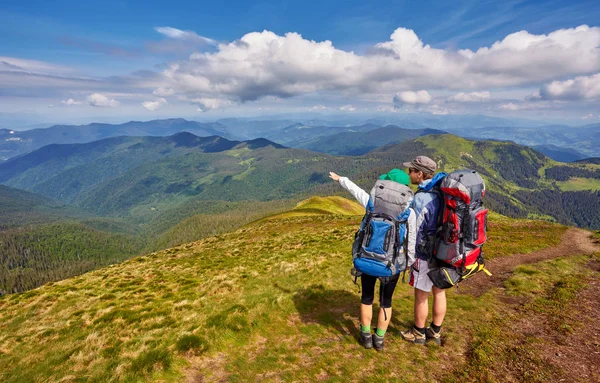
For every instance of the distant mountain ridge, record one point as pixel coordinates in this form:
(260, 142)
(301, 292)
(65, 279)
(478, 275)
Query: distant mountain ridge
(298, 134)
(593, 160)
(21, 142)
(560, 154)
(64, 172)
(299, 131)
(584, 139)
(359, 143)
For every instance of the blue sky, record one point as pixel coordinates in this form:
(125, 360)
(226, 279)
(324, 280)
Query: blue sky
(133, 59)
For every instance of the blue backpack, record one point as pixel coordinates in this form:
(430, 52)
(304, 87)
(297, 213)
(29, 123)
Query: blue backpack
(380, 244)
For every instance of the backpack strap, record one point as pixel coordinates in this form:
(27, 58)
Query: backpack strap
(356, 274)
(398, 222)
(370, 206)
(429, 245)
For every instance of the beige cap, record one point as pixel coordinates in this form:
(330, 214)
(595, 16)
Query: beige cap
(422, 163)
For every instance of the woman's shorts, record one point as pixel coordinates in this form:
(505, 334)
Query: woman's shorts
(385, 291)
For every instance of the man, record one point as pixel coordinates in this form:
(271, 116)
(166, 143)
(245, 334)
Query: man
(427, 205)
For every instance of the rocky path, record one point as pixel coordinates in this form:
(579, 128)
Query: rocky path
(575, 354)
(573, 242)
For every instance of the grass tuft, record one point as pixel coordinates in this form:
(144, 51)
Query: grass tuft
(191, 342)
(145, 363)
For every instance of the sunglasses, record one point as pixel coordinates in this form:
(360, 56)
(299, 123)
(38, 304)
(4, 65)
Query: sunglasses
(411, 170)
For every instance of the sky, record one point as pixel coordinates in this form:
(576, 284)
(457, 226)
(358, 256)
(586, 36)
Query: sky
(80, 61)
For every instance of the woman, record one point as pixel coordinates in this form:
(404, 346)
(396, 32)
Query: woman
(368, 282)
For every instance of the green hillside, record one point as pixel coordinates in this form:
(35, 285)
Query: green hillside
(145, 180)
(270, 301)
(64, 172)
(234, 175)
(33, 255)
(19, 207)
(331, 205)
(322, 205)
(43, 240)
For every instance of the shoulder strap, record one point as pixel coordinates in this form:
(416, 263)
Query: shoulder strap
(370, 206)
(404, 215)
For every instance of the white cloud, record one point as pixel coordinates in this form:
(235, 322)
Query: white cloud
(178, 34)
(163, 92)
(99, 100)
(579, 88)
(515, 105)
(318, 108)
(154, 105)
(348, 108)
(535, 96)
(34, 66)
(410, 97)
(470, 97)
(205, 104)
(587, 116)
(265, 64)
(70, 102)
(509, 106)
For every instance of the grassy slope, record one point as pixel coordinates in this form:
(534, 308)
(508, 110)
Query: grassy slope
(272, 299)
(322, 205)
(577, 184)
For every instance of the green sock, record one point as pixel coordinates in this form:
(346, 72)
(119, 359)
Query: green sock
(365, 328)
(380, 332)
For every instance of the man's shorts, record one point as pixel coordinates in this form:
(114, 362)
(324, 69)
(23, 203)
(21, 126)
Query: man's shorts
(418, 276)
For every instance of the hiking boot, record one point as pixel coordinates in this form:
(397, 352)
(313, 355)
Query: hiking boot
(366, 339)
(378, 342)
(433, 336)
(413, 336)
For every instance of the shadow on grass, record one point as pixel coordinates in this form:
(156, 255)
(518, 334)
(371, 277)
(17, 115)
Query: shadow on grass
(329, 308)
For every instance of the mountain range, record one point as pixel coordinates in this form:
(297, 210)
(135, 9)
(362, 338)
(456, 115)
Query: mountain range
(14, 143)
(560, 142)
(362, 142)
(133, 176)
(582, 139)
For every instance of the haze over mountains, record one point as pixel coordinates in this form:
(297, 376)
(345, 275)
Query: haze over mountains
(560, 142)
(579, 139)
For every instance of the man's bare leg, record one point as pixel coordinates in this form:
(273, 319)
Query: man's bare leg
(439, 306)
(421, 307)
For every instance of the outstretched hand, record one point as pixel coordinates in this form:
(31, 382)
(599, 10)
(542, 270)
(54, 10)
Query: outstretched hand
(334, 176)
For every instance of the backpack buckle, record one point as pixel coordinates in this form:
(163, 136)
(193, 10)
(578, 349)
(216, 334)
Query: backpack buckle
(355, 273)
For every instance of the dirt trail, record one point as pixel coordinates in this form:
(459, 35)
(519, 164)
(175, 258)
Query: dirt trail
(573, 242)
(575, 356)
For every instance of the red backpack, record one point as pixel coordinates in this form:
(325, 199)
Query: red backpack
(463, 229)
